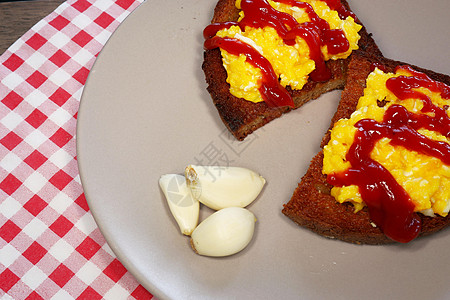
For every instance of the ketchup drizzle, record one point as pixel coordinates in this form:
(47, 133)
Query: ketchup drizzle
(390, 207)
(270, 88)
(334, 39)
(316, 32)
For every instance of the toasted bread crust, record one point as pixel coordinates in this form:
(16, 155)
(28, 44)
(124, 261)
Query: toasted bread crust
(242, 117)
(313, 207)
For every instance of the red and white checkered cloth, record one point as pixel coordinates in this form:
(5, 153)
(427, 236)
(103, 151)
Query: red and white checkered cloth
(50, 246)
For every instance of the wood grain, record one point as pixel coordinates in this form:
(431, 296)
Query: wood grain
(17, 17)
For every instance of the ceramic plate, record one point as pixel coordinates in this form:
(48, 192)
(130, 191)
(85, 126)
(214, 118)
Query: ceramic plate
(145, 112)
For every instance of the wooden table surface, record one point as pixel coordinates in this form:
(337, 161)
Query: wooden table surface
(17, 17)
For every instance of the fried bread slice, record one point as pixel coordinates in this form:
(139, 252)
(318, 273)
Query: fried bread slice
(313, 207)
(242, 117)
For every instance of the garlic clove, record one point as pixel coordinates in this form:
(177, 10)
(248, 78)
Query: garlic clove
(220, 187)
(224, 233)
(184, 208)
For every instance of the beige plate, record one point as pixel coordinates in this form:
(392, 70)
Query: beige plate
(145, 112)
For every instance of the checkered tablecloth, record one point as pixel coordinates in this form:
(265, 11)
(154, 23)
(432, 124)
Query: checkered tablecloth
(50, 246)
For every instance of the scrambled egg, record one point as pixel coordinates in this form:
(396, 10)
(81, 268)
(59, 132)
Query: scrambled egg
(426, 179)
(291, 63)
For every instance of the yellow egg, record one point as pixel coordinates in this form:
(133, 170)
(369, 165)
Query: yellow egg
(292, 64)
(426, 179)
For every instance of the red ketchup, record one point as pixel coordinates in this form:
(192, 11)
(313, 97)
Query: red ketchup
(390, 207)
(316, 32)
(375, 65)
(270, 88)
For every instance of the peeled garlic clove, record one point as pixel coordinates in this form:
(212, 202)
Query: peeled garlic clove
(224, 233)
(220, 187)
(184, 208)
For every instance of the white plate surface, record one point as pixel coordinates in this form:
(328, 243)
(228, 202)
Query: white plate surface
(145, 112)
